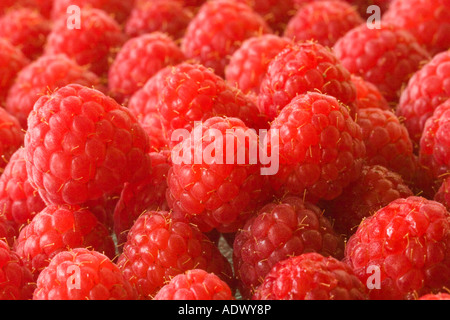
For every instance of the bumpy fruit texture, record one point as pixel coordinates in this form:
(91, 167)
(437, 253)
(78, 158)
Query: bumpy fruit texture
(311, 276)
(195, 284)
(407, 245)
(443, 193)
(11, 137)
(8, 231)
(82, 274)
(368, 95)
(320, 148)
(159, 248)
(278, 231)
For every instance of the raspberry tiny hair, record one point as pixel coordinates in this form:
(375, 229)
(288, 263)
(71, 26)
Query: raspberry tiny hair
(81, 144)
(195, 284)
(82, 274)
(311, 276)
(17, 281)
(300, 68)
(320, 148)
(218, 29)
(248, 64)
(159, 247)
(43, 76)
(403, 250)
(368, 95)
(279, 230)
(8, 231)
(323, 21)
(11, 137)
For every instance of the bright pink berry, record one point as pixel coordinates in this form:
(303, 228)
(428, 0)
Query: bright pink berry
(368, 95)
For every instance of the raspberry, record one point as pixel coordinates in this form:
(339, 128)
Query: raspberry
(443, 194)
(219, 191)
(191, 93)
(218, 29)
(437, 296)
(311, 276)
(81, 145)
(280, 230)
(137, 198)
(169, 16)
(386, 57)
(26, 29)
(11, 137)
(7, 5)
(375, 189)
(427, 20)
(434, 150)
(320, 148)
(368, 95)
(19, 201)
(323, 21)
(303, 67)
(8, 231)
(82, 274)
(59, 228)
(42, 76)
(195, 284)
(12, 60)
(16, 281)
(387, 141)
(117, 9)
(408, 244)
(248, 64)
(427, 88)
(93, 45)
(138, 60)
(158, 248)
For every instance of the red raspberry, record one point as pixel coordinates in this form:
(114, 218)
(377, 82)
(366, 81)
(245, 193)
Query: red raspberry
(434, 150)
(218, 29)
(117, 9)
(138, 60)
(16, 280)
(81, 145)
(437, 296)
(93, 45)
(191, 93)
(8, 231)
(386, 57)
(387, 141)
(27, 29)
(82, 274)
(158, 248)
(44, 6)
(248, 64)
(41, 77)
(59, 228)
(443, 194)
(7, 5)
(12, 60)
(427, 88)
(222, 190)
(11, 137)
(280, 230)
(303, 67)
(368, 95)
(19, 201)
(427, 20)
(323, 21)
(320, 148)
(405, 247)
(147, 195)
(311, 276)
(168, 16)
(375, 189)
(195, 284)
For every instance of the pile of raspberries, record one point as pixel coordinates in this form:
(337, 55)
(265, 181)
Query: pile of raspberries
(106, 105)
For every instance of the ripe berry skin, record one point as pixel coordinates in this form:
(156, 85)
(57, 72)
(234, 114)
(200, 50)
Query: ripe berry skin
(158, 248)
(82, 274)
(386, 57)
(368, 95)
(195, 284)
(320, 148)
(408, 244)
(311, 276)
(248, 64)
(303, 67)
(8, 231)
(81, 145)
(218, 29)
(138, 60)
(16, 281)
(437, 296)
(278, 231)
(11, 137)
